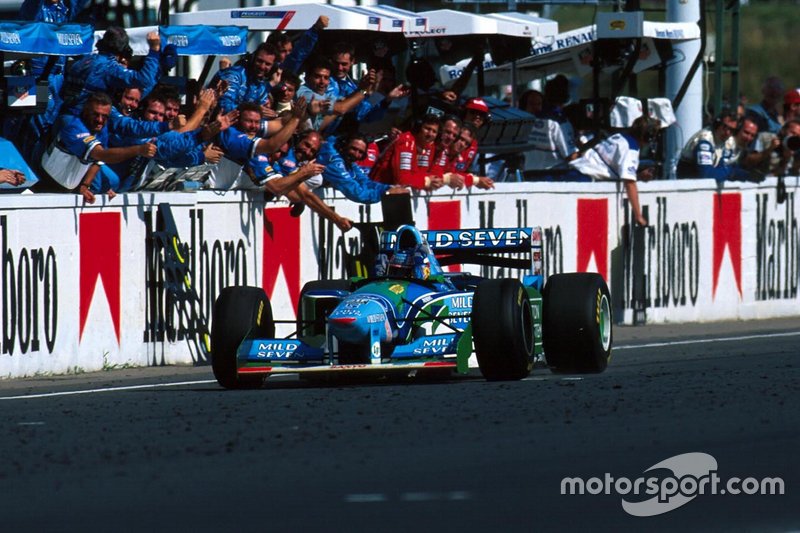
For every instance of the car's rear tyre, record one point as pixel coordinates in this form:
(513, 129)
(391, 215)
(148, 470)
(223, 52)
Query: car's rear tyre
(502, 329)
(576, 323)
(239, 313)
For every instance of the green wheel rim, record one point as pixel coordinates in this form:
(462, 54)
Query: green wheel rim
(605, 323)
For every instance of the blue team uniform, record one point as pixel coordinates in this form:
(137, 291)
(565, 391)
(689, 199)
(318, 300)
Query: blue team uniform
(174, 149)
(301, 49)
(68, 158)
(54, 13)
(239, 148)
(288, 163)
(708, 161)
(350, 180)
(242, 89)
(366, 111)
(260, 170)
(103, 73)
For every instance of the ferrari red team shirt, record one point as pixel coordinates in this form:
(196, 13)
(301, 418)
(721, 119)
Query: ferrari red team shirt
(403, 163)
(468, 157)
(444, 163)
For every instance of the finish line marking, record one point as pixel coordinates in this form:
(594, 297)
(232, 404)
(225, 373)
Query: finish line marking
(706, 341)
(109, 389)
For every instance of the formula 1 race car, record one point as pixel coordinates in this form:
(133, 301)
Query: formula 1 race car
(413, 316)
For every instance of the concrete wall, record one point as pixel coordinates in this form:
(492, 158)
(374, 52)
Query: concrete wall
(83, 288)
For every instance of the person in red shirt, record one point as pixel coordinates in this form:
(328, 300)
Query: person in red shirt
(373, 151)
(476, 112)
(408, 160)
(450, 162)
(448, 133)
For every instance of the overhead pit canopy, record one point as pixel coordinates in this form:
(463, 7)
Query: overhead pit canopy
(407, 20)
(414, 22)
(539, 27)
(362, 27)
(446, 23)
(572, 52)
(508, 34)
(294, 17)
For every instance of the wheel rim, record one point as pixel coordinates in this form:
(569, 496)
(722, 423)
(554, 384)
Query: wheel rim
(527, 327)
(605, 323)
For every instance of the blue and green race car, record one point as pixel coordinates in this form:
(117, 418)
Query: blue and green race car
(413, 316)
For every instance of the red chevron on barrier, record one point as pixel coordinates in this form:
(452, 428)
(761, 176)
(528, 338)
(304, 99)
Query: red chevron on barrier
(728, 234)
(100, 259)
(445, 215)
(281, 251)
(593, 235)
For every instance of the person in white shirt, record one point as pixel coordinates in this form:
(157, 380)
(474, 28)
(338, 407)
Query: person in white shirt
(710, 150)
(617, 158)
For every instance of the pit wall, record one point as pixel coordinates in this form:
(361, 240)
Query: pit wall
(83, 287)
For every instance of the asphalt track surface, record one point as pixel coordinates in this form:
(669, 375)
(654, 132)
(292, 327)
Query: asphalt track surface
(166, 449)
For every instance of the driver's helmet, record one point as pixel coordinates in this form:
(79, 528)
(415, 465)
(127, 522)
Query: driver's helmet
(411, 256)
(401, 264)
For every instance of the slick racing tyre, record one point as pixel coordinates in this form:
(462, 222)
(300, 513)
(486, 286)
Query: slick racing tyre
(239, 313)
(576, 323)
(502, 329)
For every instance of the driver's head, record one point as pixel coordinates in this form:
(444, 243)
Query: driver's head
(410, 259)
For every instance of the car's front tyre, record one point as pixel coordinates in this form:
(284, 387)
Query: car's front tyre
(239, 313)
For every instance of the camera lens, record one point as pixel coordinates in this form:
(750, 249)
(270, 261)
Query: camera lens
(792, 142)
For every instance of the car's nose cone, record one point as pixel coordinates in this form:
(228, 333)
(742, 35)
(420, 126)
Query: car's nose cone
(360, 320)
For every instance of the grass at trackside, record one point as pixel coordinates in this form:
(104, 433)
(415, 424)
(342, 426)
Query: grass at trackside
(767, 33)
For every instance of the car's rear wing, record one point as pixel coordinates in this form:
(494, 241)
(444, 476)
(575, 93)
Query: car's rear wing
(498, 247)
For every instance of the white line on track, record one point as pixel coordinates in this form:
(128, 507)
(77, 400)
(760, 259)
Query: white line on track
(706, 341)
(108, 389)
(365, 498)
(208, 381)
(378, 497)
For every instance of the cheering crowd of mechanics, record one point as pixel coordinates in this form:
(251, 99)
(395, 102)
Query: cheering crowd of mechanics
(290, 118)
(285, 119)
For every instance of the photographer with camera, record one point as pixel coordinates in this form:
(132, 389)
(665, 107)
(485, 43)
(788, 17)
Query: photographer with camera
(791, 105)
(777, 155)
(788, 153)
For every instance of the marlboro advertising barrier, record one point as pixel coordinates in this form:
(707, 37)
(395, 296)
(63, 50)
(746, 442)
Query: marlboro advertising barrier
(132, 281)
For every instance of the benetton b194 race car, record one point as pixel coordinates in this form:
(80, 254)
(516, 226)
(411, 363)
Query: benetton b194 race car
(413, 316)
